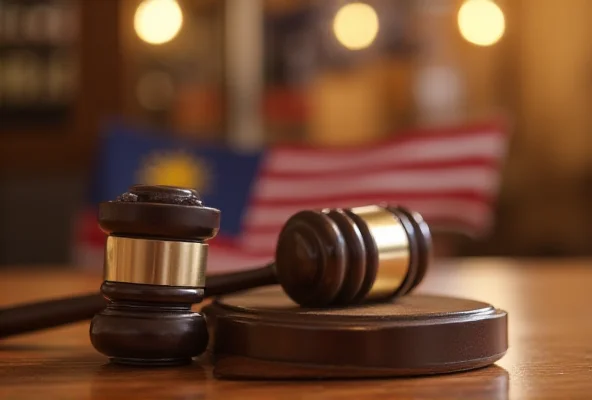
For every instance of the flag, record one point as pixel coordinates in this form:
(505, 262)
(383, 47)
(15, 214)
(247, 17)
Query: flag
(449, 175)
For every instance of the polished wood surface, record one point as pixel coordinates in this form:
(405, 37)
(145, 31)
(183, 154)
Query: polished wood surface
(550, 354)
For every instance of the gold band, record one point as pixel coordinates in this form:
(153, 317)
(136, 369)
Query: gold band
(155, 262)
(392, 244)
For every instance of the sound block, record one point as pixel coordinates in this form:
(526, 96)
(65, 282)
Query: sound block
(262, 334)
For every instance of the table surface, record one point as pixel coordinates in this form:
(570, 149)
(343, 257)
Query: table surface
(550, 334)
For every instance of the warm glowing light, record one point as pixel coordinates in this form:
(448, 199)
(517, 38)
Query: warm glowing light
(158, 21)
(356, 26)
(481, 22)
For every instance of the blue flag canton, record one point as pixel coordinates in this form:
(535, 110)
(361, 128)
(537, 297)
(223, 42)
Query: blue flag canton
(223, 177)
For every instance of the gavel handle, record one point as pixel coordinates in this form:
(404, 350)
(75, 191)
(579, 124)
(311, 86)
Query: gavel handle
(48, 314)
(242, 280)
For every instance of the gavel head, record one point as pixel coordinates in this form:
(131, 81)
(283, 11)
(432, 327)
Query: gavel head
(157, 235)
(337, 257)
(154, 270)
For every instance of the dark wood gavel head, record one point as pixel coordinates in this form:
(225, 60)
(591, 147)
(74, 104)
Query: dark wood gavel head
(340, 257)
(154, 270)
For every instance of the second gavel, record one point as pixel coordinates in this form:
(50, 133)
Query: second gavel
(155, 270)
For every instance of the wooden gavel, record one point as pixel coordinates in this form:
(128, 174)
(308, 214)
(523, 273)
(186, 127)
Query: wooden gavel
(155, 264)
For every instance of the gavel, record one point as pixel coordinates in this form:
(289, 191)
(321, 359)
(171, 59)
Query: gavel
(155, 271)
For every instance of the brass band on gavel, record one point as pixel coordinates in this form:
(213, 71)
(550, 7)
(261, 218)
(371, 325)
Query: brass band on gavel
(155, 262)
(392, 247)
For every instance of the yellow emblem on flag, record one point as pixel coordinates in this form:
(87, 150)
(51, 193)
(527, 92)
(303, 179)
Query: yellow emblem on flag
(175, 168)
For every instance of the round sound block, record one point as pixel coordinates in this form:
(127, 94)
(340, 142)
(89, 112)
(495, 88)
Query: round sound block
(262, 334)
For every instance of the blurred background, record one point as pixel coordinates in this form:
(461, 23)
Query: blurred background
(252, 76)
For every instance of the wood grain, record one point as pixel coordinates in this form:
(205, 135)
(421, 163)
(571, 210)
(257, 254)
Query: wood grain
(550, 353)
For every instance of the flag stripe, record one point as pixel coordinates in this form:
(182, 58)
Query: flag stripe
(429, 180)
(395, 165)
(486, 145)
(271, 216)
(472, 213)
(399, 197)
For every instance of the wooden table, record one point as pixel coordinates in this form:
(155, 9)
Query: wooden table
(550, 356)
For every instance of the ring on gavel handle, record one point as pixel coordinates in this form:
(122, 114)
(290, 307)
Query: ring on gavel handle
(155, 263)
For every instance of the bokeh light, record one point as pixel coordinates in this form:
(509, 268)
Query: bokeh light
(158, 21)
(481, 22)
(356, 26)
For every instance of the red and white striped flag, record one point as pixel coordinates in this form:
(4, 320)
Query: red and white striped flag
(451, 176)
